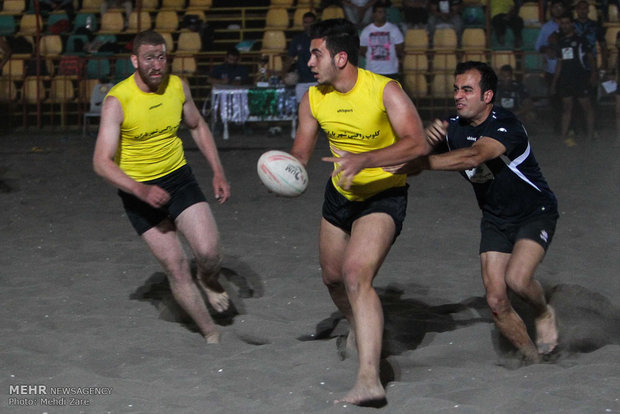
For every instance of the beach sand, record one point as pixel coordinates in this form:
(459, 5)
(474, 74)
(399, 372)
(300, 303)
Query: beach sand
(88, 317)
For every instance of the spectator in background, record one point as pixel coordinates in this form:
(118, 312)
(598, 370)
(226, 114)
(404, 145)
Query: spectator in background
(382, 43)
(512, 95)
(415, 13)
(591, 30)
(572, 79)
(445, 13)
(48, 6)
(127, 5)
(545, 44)
(359, 12)
(504, 15)
(230, 72)
(5, 51)
(299, 51)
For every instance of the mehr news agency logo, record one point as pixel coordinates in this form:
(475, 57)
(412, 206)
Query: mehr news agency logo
(31, 395)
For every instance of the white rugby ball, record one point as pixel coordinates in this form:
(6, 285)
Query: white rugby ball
(282, 173)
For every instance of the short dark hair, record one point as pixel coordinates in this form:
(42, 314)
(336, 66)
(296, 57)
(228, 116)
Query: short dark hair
(381, 5)
(233, 51)
(506, 68)
(309, 14)
(488, 78)
(340, 36)
(147, 37)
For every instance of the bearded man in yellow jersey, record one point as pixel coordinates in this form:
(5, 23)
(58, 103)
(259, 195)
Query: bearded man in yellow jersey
(363, 211)
(138, 151)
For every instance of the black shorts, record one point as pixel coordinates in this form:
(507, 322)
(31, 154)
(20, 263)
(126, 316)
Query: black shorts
(341, 212)
(501, 236)
(184, 192)
(575, 85)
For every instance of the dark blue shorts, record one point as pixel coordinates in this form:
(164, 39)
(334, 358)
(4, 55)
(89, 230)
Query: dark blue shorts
(501, 236)
(184, 192)
(341, 212)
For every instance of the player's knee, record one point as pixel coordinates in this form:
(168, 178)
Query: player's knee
(498, 303)
(209, 263)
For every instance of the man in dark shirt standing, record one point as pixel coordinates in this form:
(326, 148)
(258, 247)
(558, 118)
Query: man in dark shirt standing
(230, 72)
(573, 77)
(489, 146)
(512, 95)
(299, 51)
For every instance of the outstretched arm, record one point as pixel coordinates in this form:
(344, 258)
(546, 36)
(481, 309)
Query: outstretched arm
(206, 144)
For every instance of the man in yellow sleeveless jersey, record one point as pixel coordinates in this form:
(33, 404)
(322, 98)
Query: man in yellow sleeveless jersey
(138, 151)
(363, 113)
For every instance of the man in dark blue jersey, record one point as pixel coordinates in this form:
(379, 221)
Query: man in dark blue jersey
(489, 146)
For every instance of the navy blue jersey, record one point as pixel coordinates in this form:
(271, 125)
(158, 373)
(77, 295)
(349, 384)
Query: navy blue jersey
(511, 186)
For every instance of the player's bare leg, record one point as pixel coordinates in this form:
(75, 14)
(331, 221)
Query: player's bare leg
(365, 251)
(166, 246)
(199, 228)
(526, 256)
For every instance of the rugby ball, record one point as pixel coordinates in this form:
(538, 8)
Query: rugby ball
(282, 173)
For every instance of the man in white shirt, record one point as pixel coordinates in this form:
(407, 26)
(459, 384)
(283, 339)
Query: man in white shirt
(382, 43)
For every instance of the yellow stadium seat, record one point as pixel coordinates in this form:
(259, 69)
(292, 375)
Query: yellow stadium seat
(184, 65)
(445, 38)
(200, 4)
(475, 55)
(91, 6)
(33, 90)
(14, 69)
(530, 13)
(50, 45)
(282, 3)
(173, 4)
(189, 42)
(501, 58)
(613, 13)
(112, 22)
(150, 5)
(139, 21)
(443, 85)
(13, 6)
(444, 62)
(166, 21)
(277, 18)
(28, 24)
(474, 38)
(415, 62)
(416, 39)
(8, 90)
(62, 89)
(169, 41)
(415, 85)
(274, 40)
(332, 12)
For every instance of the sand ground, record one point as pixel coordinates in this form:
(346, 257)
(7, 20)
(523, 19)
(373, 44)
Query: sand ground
(85, 306)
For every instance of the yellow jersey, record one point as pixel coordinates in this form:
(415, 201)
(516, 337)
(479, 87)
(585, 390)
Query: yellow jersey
(149, 147)
(356, 121)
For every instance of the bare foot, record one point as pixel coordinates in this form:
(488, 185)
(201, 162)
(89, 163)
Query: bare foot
(546, 332)
(217, 296)
(365, 395)
(213, 338)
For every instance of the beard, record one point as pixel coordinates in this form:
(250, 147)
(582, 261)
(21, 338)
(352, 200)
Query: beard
(152, 78)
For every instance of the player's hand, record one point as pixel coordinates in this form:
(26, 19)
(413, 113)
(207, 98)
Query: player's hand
(221, 188)
(436, 132)
(153, 195)
(347, 165)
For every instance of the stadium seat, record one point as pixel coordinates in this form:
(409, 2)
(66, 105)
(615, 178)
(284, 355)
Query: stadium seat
(28, 24)
(189, 42)
(281, 3)
(33, 90)
(91, 6)
(123, 68)
(501, 58)
(277, 18)
(298, 17)
(444, 62)
(442, 85)
(83, 20)
(7, 25)
(172, 4)
(14, 68)
(184, 65)
(166, 21)
(415, 85)
(169, 41)
(62, 89)
(474, 38)
(98, 68)
(530, 13)
(200, 4)
(445, 38)
(417, 62)
(473, 16)
(13, 7)
(332, 12)
(274, 40)
(8, 90)
(112, 22)
(139, 22)
(50, 45)
(416, 39)
(75, 44)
